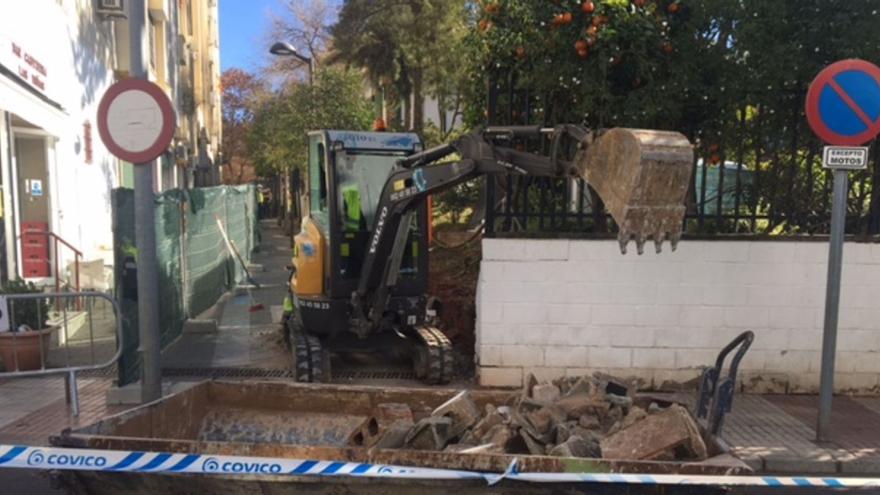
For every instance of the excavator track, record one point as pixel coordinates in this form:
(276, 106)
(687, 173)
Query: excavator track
(434, 360)
(311, 362)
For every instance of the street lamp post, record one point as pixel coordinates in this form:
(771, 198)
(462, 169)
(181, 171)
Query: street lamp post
(287, 50)
(283, 49)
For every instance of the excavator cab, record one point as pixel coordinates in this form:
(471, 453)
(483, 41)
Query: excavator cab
(346, 174)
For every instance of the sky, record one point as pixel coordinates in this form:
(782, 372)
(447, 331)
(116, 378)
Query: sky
(243, 24)
(242, 27)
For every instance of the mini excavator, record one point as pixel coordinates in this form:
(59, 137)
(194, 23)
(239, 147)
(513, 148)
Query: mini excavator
(359, 275)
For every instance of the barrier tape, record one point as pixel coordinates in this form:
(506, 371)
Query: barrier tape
(26, 457)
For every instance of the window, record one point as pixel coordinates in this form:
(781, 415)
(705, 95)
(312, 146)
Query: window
(318, 182)
(360, 178)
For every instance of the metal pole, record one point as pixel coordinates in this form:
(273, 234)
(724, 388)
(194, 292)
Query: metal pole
(145, 234)
(832, 303)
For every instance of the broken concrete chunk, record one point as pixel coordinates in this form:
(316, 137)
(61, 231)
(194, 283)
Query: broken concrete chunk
(542, 420)
(576, 446)
(611, 419)
(620, 400)
(431, 433)
(613, 385)
(462, 410)
(528, 384)
(499, 435)
(563, 431)
(635, 415)
(533, 444)
(656, 436)
(563, 384)
(589, 422)
(575, 406)
(485, 424)
(583, 385)
(393, 437)
(387, 416)
(545, 393)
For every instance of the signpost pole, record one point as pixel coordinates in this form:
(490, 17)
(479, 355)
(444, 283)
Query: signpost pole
(850, 90)
(145, 234)
(832, 302)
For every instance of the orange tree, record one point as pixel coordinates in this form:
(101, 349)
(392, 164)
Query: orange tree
(730, 74)
(604, 62)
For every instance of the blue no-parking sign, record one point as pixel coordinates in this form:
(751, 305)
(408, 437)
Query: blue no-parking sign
(843, 103)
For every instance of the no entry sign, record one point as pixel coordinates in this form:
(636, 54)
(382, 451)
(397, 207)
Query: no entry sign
(843, 103)
(136, 120)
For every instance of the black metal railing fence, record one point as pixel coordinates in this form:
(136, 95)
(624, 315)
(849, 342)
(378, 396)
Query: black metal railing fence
(757, 172)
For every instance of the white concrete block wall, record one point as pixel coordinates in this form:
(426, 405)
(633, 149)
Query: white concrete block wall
(567, 307)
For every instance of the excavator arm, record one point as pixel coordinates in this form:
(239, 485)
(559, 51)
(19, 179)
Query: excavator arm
(642, 177)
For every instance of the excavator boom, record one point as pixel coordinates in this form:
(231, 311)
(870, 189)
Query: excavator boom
(642, 176)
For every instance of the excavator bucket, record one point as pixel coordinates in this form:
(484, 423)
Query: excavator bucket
(643, 177)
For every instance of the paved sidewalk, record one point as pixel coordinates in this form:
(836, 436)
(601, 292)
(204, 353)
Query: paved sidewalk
(776, 434)
(244, 339)
(33, 409)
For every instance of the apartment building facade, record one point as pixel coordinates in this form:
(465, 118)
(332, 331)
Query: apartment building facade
(57, 58)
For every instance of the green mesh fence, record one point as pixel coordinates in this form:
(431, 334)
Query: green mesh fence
(195, 266)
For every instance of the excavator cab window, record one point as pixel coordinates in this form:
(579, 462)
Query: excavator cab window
(360, 177)
(318, 182)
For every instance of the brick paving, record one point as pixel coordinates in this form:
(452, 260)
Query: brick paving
(776, 434)
(43, 410)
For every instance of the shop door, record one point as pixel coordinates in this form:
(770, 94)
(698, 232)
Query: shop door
(33, 187)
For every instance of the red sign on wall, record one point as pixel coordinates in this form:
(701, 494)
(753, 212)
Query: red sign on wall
(87, 142)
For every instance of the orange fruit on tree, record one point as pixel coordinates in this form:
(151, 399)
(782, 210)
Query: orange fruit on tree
(566, 18)
(715, 159)
(492, 8)
(667, 47)
(520, 52)
(583, 53)
(592, 31)
(588, 7)
(713, 147)
(639, 3)
(580, 45)
(673, 7)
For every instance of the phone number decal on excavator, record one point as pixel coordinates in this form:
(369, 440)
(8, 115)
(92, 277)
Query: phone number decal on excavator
(315, 305)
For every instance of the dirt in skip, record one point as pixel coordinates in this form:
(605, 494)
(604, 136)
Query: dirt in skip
(454, 271)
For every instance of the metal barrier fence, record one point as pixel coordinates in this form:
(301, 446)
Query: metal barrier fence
(59, 326)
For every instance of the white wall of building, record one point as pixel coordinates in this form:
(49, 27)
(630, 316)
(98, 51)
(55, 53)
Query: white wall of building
(569, 307)
(76, 51)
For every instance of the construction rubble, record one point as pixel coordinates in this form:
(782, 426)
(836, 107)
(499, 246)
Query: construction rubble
(595, 417)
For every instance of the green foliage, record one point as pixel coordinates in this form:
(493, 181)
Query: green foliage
(405, 48)
(731, 75)
(30, 312)
(278, 140)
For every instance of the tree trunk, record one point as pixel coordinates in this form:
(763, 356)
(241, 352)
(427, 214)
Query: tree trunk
(418, 101)
(392, 108)
(441, 111)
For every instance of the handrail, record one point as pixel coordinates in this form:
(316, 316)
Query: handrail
(77, 256)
